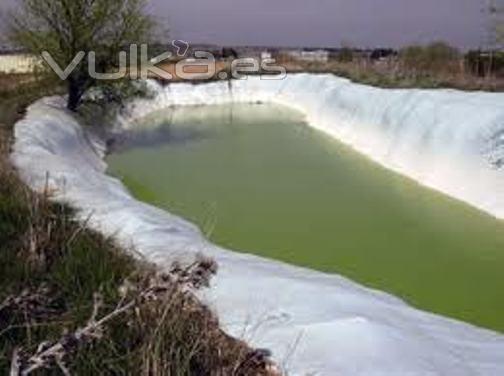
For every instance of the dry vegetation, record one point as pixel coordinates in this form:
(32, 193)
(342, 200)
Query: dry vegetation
(17, 91)
(437, 65)
(72, 302)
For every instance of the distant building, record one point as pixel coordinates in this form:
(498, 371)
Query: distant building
(316, 56)
(266, 55)
(17, 63)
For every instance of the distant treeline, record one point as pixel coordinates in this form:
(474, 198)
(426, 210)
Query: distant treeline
(482, 63)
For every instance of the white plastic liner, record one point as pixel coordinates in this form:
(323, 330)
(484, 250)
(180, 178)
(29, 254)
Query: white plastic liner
(315, 323)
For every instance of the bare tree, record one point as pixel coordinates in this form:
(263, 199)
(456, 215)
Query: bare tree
(498, 11)
(495, 11)
(64, 28)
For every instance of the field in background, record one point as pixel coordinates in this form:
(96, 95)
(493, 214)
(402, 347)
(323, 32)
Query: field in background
(391, 73)
(437, 65)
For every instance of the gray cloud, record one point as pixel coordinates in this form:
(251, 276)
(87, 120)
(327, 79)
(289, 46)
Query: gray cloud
(363, 23)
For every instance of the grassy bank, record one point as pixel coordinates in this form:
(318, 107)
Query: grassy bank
(72, 301)
(391, 75)
(432, 66)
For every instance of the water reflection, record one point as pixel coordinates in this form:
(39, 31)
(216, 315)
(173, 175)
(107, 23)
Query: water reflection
(173, 126)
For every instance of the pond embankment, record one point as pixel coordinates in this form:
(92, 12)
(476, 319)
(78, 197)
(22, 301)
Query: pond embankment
(315, 322)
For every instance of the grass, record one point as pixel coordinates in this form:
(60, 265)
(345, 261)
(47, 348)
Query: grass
(72, 301)
(392, 73)
(17, 91)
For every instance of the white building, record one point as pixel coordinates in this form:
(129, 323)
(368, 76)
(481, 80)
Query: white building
(266, 55)
(17, 63)
(318, 56)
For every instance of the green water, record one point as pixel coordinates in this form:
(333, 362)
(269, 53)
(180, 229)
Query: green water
(255, 178)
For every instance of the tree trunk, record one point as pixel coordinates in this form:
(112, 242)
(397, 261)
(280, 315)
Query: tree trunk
(74, 94)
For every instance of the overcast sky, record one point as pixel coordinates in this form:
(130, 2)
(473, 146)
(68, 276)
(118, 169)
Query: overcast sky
(358, 23)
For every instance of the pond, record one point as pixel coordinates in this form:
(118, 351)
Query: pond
(257, 179)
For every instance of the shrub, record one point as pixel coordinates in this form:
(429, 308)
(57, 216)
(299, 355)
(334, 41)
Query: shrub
(433, 58)
(483, 63)
(345, 55)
